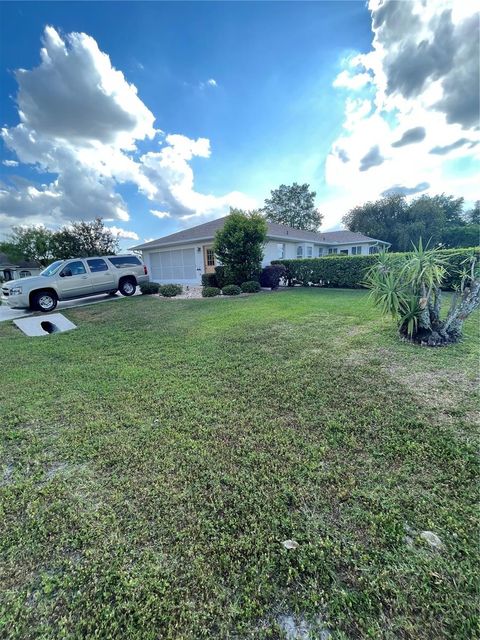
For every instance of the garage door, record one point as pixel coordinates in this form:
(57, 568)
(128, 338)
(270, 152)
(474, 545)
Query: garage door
(174, 265)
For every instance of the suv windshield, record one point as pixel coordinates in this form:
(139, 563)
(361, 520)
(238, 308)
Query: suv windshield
(52, 268)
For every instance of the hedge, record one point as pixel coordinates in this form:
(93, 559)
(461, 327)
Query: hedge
(350, 271)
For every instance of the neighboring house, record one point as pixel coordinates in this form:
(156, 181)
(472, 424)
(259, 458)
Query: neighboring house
(14, 269)
(183, 256)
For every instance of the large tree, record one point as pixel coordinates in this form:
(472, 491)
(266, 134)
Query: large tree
(79, 239)
(293, 205)
(239, 245)
(439, 219)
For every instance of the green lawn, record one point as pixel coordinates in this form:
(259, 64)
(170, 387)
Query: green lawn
(155, 459)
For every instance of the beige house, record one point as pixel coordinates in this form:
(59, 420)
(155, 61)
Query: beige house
(183, 256)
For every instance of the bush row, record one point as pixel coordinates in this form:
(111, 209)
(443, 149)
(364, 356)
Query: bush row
(350, 271)
(165, 290)
(270, 277)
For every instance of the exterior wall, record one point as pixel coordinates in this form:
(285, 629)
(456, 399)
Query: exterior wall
(16, 271)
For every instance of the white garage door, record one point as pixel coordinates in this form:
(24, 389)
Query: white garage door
(173, 266)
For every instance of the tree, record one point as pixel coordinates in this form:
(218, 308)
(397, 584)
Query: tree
(473, 215)
(239, 245)
(293, 206)
(33, 243)
(402, 223)
(409, 288)
(83, 239)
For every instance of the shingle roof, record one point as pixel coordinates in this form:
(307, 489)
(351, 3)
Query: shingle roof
(5, 261)
(207, 231)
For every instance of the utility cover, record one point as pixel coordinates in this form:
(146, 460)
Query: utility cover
(44, 325)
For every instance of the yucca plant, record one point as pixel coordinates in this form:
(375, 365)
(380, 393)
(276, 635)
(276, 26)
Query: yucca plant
(409, 289)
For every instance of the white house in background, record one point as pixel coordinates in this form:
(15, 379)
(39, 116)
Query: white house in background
(14, 269)
(183, 256)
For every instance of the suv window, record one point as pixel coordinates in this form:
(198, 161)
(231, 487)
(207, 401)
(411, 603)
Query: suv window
(124, 261)
(73, 269)
(97, 264)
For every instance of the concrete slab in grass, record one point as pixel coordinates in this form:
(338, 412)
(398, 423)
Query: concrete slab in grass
(44, 325)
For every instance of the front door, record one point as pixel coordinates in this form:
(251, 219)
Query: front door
(209, 259)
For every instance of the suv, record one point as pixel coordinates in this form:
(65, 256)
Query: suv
(76, 278)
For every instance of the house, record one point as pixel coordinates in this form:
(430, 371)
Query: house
(183, 256)
(14, 269)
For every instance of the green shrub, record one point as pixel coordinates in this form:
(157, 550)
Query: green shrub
(210, 292)
(170, 290)
(209, 280)
(251, 286)
(149, 288)
(350, 271)
(231, 290)
(222, 277)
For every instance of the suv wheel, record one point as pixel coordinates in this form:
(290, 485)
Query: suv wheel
(127, 287)
(44, 301)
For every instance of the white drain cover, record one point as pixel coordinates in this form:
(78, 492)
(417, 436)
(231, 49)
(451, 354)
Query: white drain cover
(44, 325)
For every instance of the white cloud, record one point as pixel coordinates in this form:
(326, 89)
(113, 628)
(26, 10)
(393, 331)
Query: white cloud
(80, 120)
(212, 82)
(424, 109)
(10, 163)
(123, 233)
(160, 214)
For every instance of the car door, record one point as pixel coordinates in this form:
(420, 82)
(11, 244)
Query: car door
(101, 277)
(73, 280)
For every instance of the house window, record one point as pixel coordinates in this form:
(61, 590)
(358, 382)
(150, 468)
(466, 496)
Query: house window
(344, 252)
(299, 251)
(320, 252)
(309, 251)
(333, 250)
(210, 258)
(356, 251)
(373, 249)
(281, 250)
(25, 274)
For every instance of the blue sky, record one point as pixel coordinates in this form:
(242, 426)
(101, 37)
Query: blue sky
(295, 88)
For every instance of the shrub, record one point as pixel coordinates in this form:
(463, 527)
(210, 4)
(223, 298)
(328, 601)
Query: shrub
(231, 290)
(149, 288)
(209, 280)
(210, 292)
(351, 271)
(271, 275)
(222, 277)
(251, 286)
(170, 290)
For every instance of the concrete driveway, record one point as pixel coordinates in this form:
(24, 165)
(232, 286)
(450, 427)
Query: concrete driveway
(9, 314)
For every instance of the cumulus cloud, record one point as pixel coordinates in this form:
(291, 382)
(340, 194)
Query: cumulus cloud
(160, 214)
(371, 159)
(416, 134)
(424, 69)
(123, 233)
(406, 191)
(81, 120)
(10, 163)
(441, 151)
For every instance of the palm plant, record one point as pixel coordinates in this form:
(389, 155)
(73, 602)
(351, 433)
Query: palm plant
(409, 289)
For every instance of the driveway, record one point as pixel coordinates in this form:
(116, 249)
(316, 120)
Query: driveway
(9, 314)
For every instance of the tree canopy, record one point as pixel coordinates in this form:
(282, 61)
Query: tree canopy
(239, 245)
(293, 205)
(439, 219)
(79, 239)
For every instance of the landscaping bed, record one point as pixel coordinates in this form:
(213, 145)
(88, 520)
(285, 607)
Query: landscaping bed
(222, 470)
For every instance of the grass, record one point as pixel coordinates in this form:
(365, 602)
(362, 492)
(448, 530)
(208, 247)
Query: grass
(155, 459)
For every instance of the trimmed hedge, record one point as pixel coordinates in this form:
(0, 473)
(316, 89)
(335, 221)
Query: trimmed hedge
(231, 290)
(251, 286)
(170, 290)
(149, 288)
(349, 271)
(210, 292)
